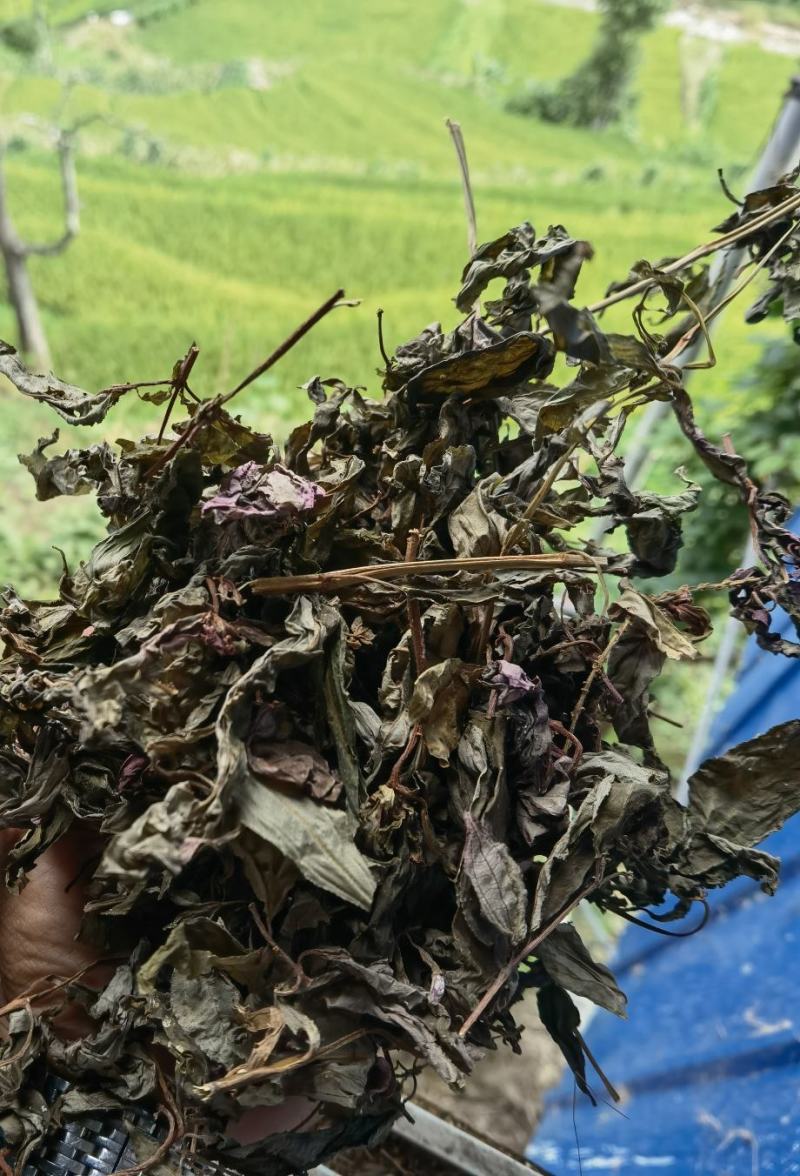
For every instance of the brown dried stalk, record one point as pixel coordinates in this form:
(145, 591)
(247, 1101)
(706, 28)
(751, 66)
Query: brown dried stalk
(208, 408)
(689, 336)
(414, 616)
(350, 577)
(469, 201)
(182, 373)
(791, 204)
(174, 1131)
(595, 670)
(241, 1076)
(287, 344)
(513, 964)
(28, 997)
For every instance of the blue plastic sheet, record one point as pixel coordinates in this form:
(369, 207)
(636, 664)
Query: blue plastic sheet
(708, 1063)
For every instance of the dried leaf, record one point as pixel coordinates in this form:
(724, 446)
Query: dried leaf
(496, 881)
(570, 966)
(440, 697)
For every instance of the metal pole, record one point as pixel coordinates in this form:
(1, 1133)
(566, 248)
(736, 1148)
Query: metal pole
(457, 1148)
(719, 672)
(780, 155)
(437, 1139)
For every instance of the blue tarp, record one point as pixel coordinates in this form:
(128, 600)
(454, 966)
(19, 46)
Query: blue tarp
(708, 1063)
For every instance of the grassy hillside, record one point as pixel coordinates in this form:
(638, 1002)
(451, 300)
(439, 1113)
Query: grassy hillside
(256, 155)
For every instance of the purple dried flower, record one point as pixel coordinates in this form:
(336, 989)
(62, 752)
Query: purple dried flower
(510, 680)
(253, 491)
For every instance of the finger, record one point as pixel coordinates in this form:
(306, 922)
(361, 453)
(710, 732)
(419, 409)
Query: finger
(8, 839)
(38, 926)
(259, 1122)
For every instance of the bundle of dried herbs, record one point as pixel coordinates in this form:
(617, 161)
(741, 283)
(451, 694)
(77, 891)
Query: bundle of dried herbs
(361, 719)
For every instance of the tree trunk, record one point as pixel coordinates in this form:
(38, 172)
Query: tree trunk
(30, 328)
(14, 252)
(597, 93)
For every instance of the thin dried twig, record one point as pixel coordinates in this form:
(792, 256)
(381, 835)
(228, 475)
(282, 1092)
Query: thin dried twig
(240, 1077)
(688, 337)
(612, 1091)
(484, 630)
(654, 714)
(544, 488)
(469, 203)
(414, 617)
(299, 974)
(723, 183)
(381, 343)
(178, 384)
(701, 324)
(174, 1130)
(29, 997)
(349, 577)
(208, 408)
(508, 971)
(139, 384)
(597, 666)
(403, 758)
(287, 344)
(732, 238)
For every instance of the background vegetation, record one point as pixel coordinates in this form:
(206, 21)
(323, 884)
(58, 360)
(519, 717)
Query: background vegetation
(254, 155)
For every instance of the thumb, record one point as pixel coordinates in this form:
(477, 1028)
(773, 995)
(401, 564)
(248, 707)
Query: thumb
(38, 926)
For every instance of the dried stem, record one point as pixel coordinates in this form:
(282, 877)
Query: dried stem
(242, 1076)
(595, 670)
(414, 616)
(209, 407)
(170, 1110)
(731, 238)
(201, 417)
(403, 758)
(484, 630)
(381, 342)
(299, 974)
(178, 384)
(545, 486)
(469, 203)
(28, 997)
(723, 183)
(612, 1091)
(568, 737)
(511, 967)
(139, 384)
(654, 714)
(349, 577)
(287, 344)
(688, 337)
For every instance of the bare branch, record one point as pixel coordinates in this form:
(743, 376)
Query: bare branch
(69, 188)
(10, 241)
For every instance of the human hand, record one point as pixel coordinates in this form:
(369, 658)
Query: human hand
(38, 926)
(38, 929)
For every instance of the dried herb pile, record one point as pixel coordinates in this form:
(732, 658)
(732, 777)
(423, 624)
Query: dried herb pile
(364, 717)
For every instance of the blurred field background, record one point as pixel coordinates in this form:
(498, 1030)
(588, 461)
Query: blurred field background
(253, 156)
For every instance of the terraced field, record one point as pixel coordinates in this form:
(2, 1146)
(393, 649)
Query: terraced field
(255, 155)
